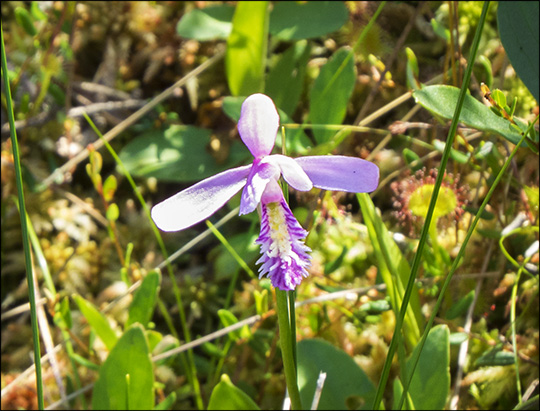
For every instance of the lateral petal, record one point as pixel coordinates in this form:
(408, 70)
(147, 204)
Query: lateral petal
(292, 172)
(200, 201)
(341, 173)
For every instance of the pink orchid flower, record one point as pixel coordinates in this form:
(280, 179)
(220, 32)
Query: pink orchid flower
(285, 257)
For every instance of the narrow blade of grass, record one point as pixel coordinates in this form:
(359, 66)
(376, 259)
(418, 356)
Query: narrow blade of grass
(24, 226)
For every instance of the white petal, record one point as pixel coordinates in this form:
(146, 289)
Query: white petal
(258, 124)
(291, 171)
(199, 201)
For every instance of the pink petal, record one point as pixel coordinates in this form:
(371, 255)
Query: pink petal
(199, 201)
(341, 173)
(292, 172)
(261, 173)
(258, 124)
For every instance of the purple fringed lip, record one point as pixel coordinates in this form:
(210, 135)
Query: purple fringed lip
(284, 256)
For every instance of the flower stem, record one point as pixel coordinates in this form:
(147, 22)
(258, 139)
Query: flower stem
(288, 345)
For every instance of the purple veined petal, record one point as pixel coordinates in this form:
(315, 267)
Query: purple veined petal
(261, 173)
(341, 173)
(258, 124)
(200, 201)
(291, 172)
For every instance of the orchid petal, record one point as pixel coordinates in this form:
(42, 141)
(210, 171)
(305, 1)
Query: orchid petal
(258, 124)
(291, 172)
(273, 193)
(341, 173)
(261, 173)
(200, 201)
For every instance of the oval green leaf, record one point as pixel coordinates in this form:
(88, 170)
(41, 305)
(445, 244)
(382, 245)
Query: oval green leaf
(178, 154)
(461, 306)
(291, 20)
(286, 79)
(144, 300)
(495, 357)
(518, 28)
(226, 396)
(442, 100)
(227, 319)
(210, 23)
(126, 378)
(331, 93)
(24, 19)
(246, 48)
(431, 381)
(112, 212)
(97, 321)
(344, 378)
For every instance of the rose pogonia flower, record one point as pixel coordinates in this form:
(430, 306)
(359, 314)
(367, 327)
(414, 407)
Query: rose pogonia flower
(285, 258)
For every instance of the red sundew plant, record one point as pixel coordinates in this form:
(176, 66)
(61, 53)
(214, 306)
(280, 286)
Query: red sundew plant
(412, 194)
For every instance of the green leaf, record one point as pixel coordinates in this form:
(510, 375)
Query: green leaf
(304, 20)
(65, 312)
(225, 264)
(167, 403)
(84, 362)
(495, 357)
(97, 321)
(246, 48)
(144, 300)
(25, 20)
(154, 338)
(113, 212)
(126, 378)
(210, 23)
(499, 97)
(109, 187)
(286, 79)
(344, 378)
(227, 319)
(518, 28)
(458, 338)
(226, 396)
(456, 155)
(375, 307)
(393, 268)
(36, 12)
(461, 306)
(331, 93)
(412, 70)
(332, 266)
(442, 100)
(431, 381)
(410, 156)
(177, 154)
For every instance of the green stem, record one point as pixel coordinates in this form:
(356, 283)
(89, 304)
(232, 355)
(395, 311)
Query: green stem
(288, 348)
(423, 237)
(24, 226)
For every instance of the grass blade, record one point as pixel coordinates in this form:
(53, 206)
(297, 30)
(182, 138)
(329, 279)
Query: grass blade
(24, 226)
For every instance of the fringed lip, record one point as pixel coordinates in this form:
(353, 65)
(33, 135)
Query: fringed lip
(284, 256)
